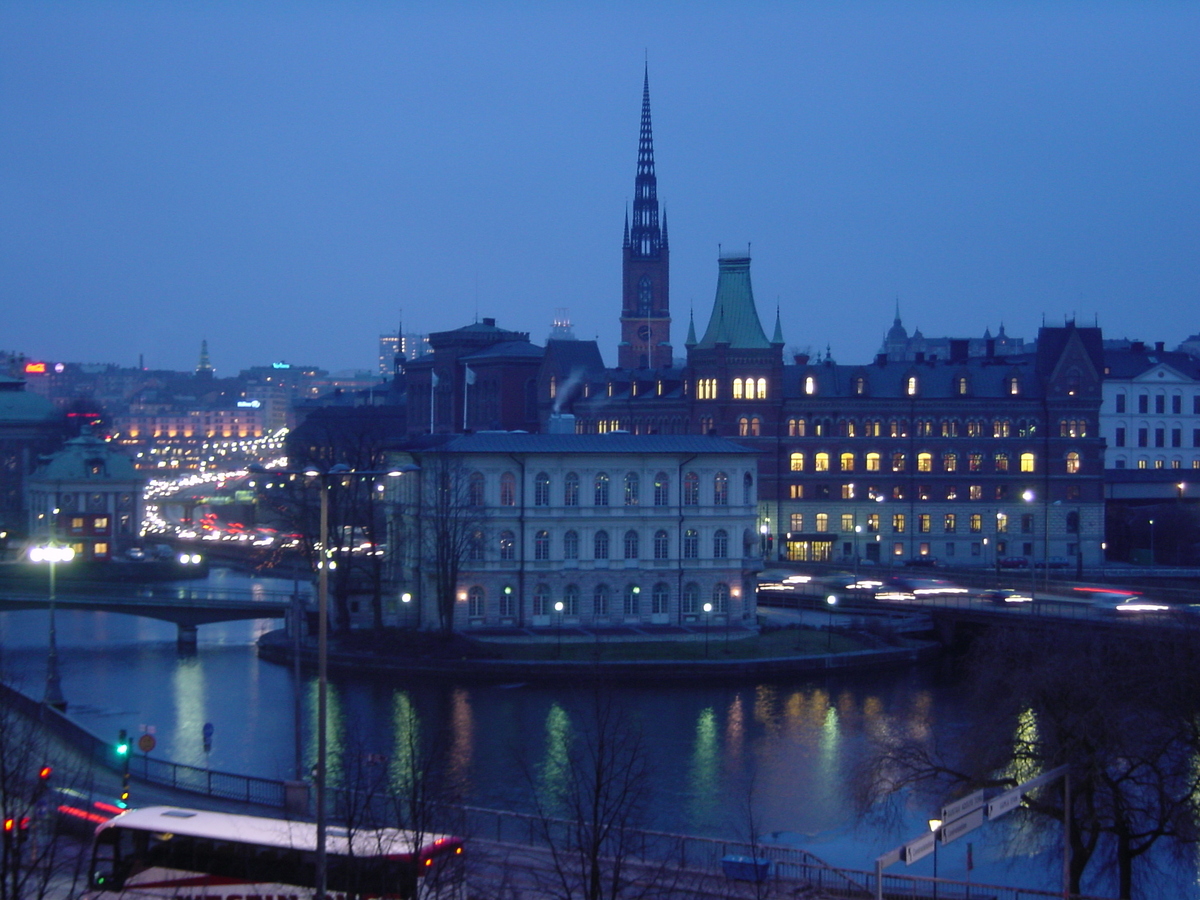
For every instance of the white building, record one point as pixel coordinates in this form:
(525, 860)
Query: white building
(617, 528)
(1150, 413)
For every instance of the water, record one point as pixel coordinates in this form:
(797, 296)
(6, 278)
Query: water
(773, 757)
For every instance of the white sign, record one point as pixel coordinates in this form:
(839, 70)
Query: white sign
(962, 825)
(920, 848)
(892, 856)
(1004, 803)
(962, 806)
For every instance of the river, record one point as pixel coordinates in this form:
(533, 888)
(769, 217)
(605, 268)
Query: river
(780, 754)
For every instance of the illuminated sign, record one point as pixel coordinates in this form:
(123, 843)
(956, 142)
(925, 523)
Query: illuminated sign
(249, 404)
(35, 368)
(280, 366)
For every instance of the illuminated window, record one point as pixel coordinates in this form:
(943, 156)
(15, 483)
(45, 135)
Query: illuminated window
(924, 524)
(898, 523)
(976, 523)
(1072, 463)
(848, 491)
(860, 385)
(796, 427)
(924, 462)
(1001, 428)
(873, 522)
(974, 428)
(1014, 385)
(810, 384)
(897, 462)
(975, 462)
(1001, 523)
(975, 492)
(873, 462)
(743, 427)
(846, 461)
(822, 522)
(950, 523)
(951, 492)
(961, 385)
(1027, 462)
(820, 462)
(762, 389)
(737, 389)
(720, 489)
(797, 522)
(796, 491)
(847, 522)
(910, 385)
(755, 426)
(796, 462)
(949, 462)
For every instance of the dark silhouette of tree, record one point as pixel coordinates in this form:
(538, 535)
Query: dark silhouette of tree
(1118, 706)
(449, 524)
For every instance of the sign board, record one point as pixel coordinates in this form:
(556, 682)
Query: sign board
(1010, 800)
(146, 743)
(920, 848)
(961, 825)
(892, 856)
(962, 806)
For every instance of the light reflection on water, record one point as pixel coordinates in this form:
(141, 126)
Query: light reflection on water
(777, 757)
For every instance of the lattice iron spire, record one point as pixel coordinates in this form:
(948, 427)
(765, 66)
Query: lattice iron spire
(645, 236)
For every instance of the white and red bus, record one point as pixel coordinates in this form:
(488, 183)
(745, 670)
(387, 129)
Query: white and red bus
(190, 854)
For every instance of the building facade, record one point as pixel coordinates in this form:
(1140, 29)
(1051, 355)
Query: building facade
(617, 529)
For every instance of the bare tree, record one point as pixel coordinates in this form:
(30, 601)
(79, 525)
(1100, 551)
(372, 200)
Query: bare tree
(451, 522)
(1120, 708)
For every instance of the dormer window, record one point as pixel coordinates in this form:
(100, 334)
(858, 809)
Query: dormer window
(1013, 385)
(962, 386)
(860, 386)
(810, 384)
(910, 385)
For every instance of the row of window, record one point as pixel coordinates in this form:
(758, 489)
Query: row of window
(630, 548)
(1121, 463)
(947, 462)
(924, 523)
(947, 428)
(1160, 437)
(851, 491)
(602, 601)
(1160, 403)
(630, 487)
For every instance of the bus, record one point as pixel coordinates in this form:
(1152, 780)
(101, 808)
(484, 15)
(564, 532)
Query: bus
(190, 854)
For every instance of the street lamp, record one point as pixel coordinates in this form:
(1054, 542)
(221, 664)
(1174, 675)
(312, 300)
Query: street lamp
(406, 599)
(1151, 542)
(707, 612)
(763, 530)
(857, 531)
(831, 602)
(1029, 497)
(52, 554)
(935, 825)
(558, 608)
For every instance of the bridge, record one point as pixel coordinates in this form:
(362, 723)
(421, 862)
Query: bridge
(187, 607)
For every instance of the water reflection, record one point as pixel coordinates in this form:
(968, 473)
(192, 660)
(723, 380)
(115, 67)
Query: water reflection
(703, 772)
(555, 771)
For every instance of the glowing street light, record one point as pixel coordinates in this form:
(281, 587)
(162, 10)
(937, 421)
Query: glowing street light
(52, 554)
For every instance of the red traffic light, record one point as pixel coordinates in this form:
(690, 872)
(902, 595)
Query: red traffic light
(45, 772)
(9, 825)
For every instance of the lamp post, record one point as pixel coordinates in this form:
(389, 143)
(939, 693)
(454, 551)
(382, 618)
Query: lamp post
(857, 531)
(52, 554)
(707, 612)
(1029, 497)
(558, 608)
(831, 602)
(1151, 542)
(763, 531)
(406, 599)
(935, 825)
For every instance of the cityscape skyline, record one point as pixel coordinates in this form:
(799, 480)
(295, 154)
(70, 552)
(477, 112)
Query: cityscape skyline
(288, 182)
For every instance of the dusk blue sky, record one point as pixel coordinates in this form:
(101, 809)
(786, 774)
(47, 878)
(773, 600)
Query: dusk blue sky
(284, 179)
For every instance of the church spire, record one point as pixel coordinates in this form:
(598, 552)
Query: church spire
(204, 367)
(646, 236)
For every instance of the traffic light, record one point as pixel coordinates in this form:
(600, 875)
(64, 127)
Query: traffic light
(122, 744)
(43, 781)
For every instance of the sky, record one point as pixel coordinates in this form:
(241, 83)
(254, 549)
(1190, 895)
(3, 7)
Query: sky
(290, 180)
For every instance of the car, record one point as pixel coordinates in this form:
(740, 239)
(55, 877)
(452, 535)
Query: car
(1005, 596)
(1014, 562)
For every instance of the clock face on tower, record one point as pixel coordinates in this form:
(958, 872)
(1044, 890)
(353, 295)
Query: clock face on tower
(644, 332)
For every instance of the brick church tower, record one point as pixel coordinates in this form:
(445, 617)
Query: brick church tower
(645, 285)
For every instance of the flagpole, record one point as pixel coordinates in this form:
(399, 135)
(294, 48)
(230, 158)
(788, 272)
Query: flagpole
(432, 384)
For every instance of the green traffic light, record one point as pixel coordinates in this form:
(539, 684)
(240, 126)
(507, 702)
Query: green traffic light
(122, 744)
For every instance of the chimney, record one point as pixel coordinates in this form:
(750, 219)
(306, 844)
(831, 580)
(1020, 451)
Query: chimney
(561, 423)
(991, 348)
(881, 359)
(489, 322)
(801, 359)
(1158, 346)
(959, 350)
(1137, 347)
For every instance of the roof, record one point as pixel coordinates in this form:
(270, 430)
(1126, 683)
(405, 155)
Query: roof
(1131, 363)
(18, 406)
(75, 461)
(517, 442)
(505, 350)
(734, 318)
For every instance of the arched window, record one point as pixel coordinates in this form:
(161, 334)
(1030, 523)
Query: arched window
(873, 460)
(820, 462)
(1072, 463)
(1001, 460)
(633, 488)
(571, 545)
(747, 489)
(541, 600)
(762, 389)
(897, 462)
(737, 389)
(541, 489)
(600, 598)
(720, 544)
(662, 489)
(797, 427)
(755, 426)
(720, 489)
(691, 544)
(571, 600)
(691, 489)
(541, 545)
(662, 546)
(822, 522)
(475, 489)
(660, 599)
(846, 462)
(810, 384)
(690, 601)
(600, 493)
(796, 462)
(475, 546)
(475, 602)
(962, 387)
(924, 462)
(720, 598)
(508, 602)
(1013, 385)
(645, 299)
(949, 462)
(600, 545)
(632, 593)
(1028, 462)
(631, 544)
(571, 489)
(508, 546)
(910, 385)
(743, 424)
(860, 385)
(508, 489)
